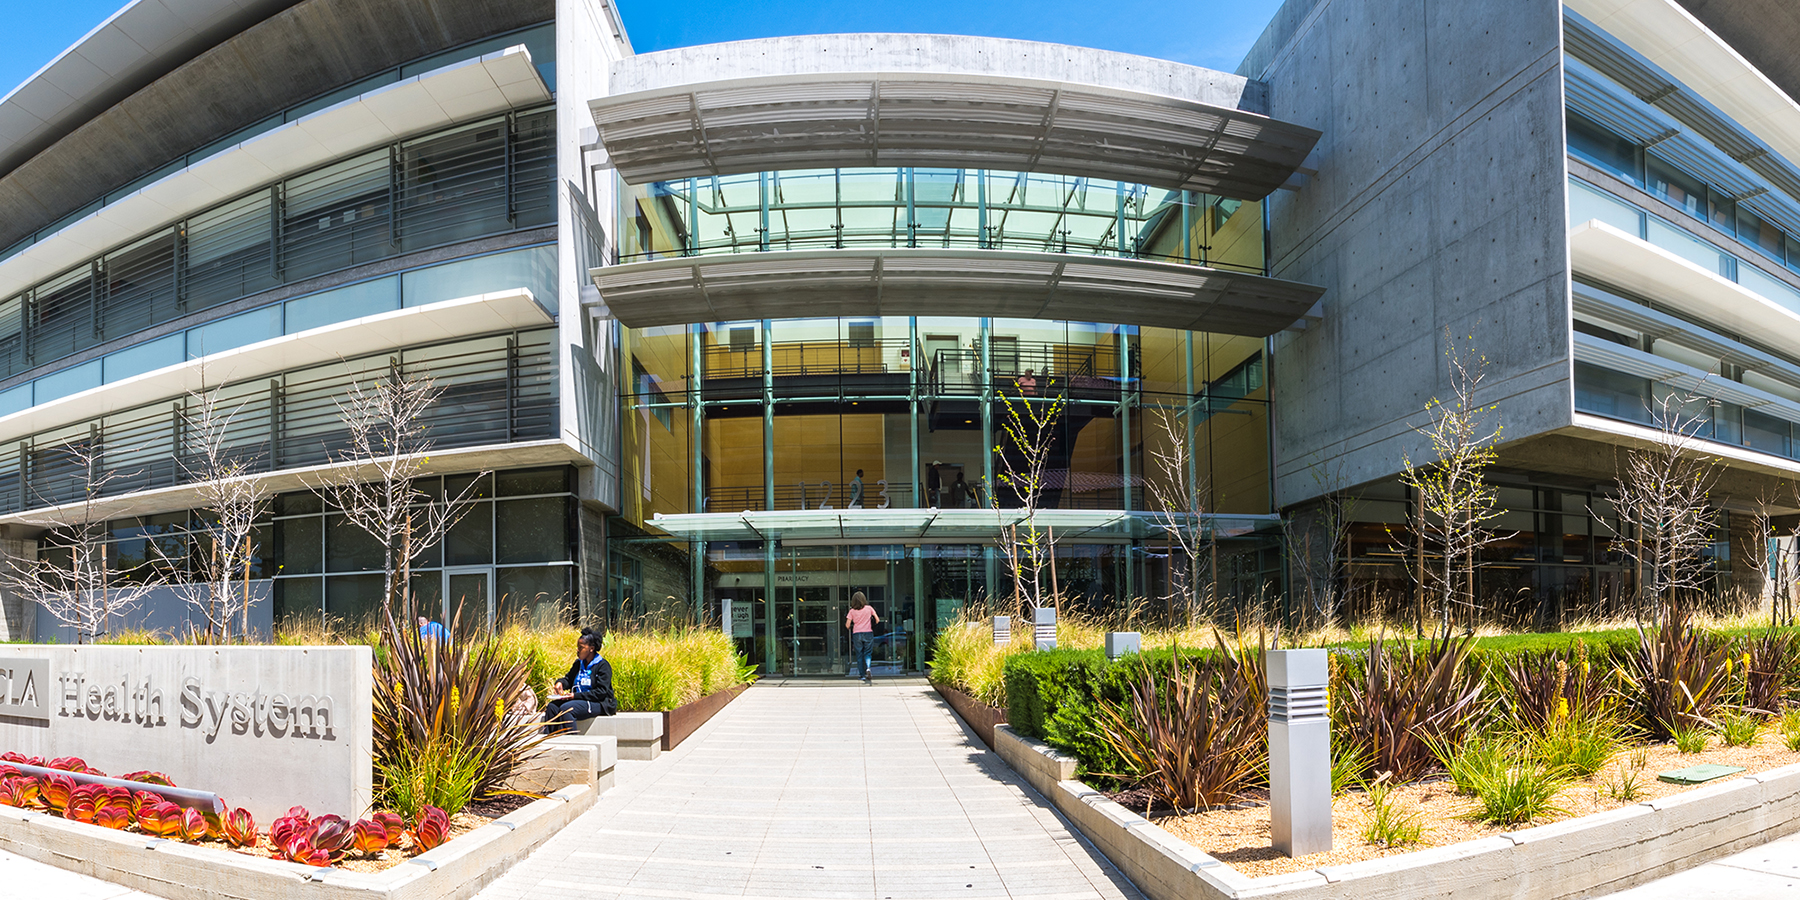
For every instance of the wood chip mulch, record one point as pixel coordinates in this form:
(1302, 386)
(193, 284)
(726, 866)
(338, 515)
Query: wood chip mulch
(1239, 835)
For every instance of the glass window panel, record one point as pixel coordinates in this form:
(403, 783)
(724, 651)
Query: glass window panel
(471, 540)
(1587, 203)
(453, 185)
(1603, 149)
(72, 380)
(351, 549)
(1758, 232)
(343, 304)
(533, 268)
(538, 596)
(534, 530)
(236, 331)
(12, 336)
(13, 400)
(1675, 187)
(61, 316)
(139, 286)
(298, 545)
(1613, 394)
(353, 600)
(1766, 433)
(299, 602)
(1686, 246)
(523, 482)
(1768, 286)
(145, 357)
(228, 252)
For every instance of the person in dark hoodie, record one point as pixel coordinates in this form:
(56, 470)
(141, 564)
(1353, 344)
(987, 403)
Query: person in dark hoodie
(585, 692)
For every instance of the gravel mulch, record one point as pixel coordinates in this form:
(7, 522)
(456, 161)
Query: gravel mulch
(1239, 836)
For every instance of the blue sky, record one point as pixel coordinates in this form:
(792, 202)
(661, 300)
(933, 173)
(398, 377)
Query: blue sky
(1212, 33)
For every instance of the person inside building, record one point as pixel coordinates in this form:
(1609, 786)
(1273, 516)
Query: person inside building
(861, 620)
(856, 491)
(959, 492)
(934, 485)
(585, 692)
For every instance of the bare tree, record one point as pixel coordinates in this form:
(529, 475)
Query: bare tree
(1317, 545)
(1181, 494)
(76, 577)
(1455, 500)
(1662, 502)
(386, 450)
(1028, 431)
(233, 500)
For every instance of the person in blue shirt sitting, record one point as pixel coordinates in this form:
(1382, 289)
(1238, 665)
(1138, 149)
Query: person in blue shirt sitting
(585, 692)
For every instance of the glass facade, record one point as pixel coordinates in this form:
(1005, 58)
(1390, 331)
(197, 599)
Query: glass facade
(949, 209)
(510, 557)
(908, 413)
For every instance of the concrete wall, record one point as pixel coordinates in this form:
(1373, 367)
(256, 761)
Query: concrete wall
(936, 53)
(1438, 204)
(264, 727)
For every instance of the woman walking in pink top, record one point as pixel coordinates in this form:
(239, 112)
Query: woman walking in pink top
(861, 620)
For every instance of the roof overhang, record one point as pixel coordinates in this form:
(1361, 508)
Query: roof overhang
(938, 526)
(1674, 39)
(871, 282)
(1603, 252)
(460, 92)
(960, 121)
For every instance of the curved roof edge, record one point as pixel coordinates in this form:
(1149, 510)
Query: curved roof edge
(140, 43)
(936, 54)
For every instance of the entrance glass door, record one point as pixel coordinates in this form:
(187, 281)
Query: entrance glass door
(818, 631)
(472, 591)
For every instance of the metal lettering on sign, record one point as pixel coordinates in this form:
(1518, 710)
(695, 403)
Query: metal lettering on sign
(25, 688)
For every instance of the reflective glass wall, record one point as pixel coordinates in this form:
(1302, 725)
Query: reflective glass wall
(953, 209)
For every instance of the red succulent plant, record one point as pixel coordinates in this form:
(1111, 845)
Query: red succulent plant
(371, 837)
(56, 788)
(431, 828)
(112, 816)
(240, 828)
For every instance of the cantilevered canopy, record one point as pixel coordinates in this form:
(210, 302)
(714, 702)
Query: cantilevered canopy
(871, 282)
(959, 121)
(935, 526)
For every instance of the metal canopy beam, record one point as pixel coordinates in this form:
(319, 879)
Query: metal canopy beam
(960, 121)
(872, 282)
(937, 526)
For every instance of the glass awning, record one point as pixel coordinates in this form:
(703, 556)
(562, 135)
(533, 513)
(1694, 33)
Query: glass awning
(940, 526)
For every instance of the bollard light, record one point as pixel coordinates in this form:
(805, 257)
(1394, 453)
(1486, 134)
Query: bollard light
(1299, 752)
(1045, 631)
(1119, 643)
(1002, 630)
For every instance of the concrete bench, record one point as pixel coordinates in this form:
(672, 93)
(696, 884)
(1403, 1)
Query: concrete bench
(570, 759)
(639, 733)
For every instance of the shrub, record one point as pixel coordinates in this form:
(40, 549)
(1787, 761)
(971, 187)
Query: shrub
(1056, 696)
(659, 670)
(1689, 738)
(448, 709)
(1389, 824)
(964, 656)
(1790, 730)
(1740, 729)
(1676, 678)
(1191, 731)
(1399, 700)
(1576, 746)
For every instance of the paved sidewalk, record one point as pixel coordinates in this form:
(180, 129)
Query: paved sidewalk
(1770, 871)
(820, 789)
(22, 877)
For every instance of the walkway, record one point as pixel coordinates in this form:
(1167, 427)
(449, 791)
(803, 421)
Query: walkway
(820, 789)
(1769, 872)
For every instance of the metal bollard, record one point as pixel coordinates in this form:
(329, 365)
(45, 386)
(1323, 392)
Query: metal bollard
(1119, 643)
(1045, 630)
(1299, 751)
(1002, 630)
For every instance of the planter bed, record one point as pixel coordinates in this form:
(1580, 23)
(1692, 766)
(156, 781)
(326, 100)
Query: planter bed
(1599, 853)
(977, 715)
(682, 721)
(454, 870)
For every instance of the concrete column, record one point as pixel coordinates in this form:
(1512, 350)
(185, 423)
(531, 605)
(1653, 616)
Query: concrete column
(1299, 752)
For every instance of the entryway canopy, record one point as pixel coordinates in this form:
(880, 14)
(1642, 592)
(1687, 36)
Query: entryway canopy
(941, 526)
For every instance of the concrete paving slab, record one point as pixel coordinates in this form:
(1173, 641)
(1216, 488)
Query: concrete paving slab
(1768, 872)
(820, 789)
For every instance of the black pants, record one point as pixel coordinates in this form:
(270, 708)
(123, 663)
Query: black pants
(561, 715)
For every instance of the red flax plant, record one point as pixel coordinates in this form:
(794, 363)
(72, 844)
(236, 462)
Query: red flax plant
(1193, 732)
(1399, 700)
(1678, 677)
(447, 729)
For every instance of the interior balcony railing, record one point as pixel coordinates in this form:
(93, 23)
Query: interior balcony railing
(952, 209)
(494, 390)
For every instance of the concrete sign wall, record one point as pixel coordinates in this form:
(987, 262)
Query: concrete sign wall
(265, 728)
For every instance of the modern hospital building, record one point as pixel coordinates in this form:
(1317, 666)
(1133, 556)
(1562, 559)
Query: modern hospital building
(733, 331)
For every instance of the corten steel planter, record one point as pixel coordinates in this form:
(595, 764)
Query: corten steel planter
(979, 716)
(682, 721)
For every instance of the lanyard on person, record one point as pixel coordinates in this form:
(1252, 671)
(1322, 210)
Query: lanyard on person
(584, 677)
